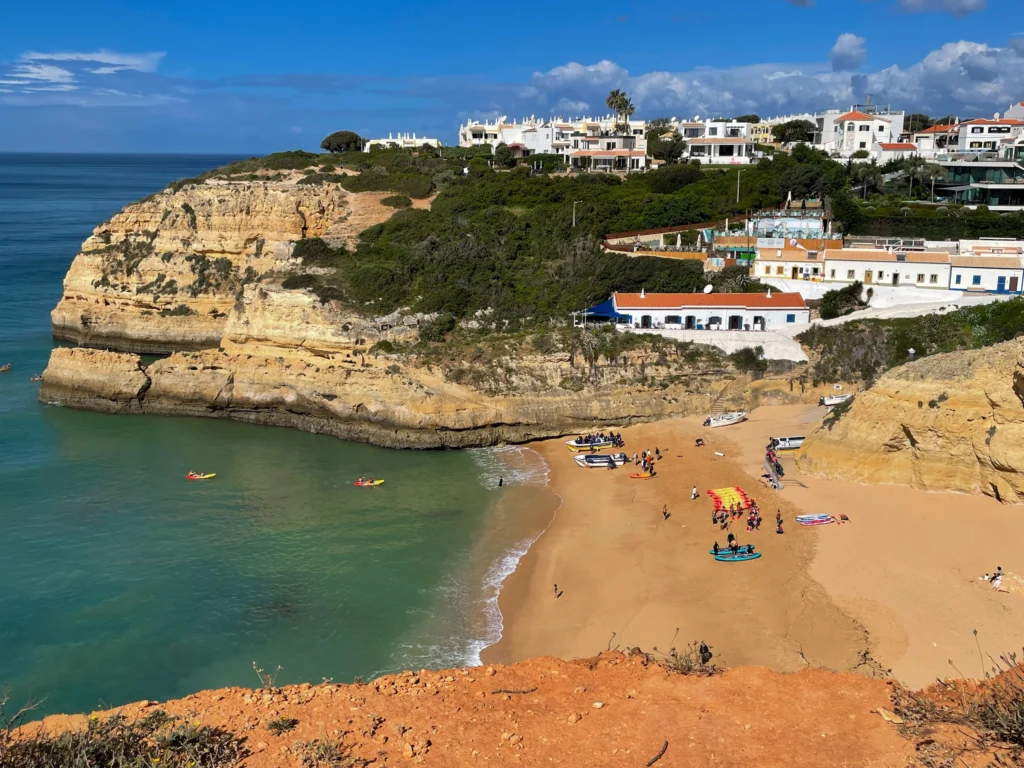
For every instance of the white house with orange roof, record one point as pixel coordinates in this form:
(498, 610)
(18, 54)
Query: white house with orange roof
(711, 311)
(988, 135)
(875, 266)
(862, 132)
(896, 150)
(936, 140)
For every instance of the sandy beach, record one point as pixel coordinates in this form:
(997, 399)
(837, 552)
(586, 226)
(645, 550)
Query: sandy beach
(899, 581)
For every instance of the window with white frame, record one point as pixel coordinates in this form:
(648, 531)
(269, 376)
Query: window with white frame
(849, 274)
(920, 277)
(933, 280)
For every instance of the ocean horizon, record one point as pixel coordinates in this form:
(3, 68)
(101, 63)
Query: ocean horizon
(125, 581)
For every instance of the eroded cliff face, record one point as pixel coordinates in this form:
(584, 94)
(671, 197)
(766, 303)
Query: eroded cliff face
(288, 360)
(161, 275)
(951, 422)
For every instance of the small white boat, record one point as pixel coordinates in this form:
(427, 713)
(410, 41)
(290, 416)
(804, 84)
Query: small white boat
(588, 444)
(600, 460)
(785, 443)
(725, 419)
(830, 400)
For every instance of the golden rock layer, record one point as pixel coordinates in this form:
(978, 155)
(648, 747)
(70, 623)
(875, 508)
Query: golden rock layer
(951, 422)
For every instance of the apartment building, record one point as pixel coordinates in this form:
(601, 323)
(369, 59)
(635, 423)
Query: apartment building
(987, 135)
(401, 141)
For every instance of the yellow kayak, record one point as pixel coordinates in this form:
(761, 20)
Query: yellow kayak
(201, 477)
(367, 483)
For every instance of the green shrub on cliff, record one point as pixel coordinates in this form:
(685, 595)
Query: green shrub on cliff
(865, 349)
(157, 739)
(841, 301)
(397, 201)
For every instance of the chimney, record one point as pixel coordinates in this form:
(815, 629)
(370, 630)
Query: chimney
(642, 293)
(769, 292)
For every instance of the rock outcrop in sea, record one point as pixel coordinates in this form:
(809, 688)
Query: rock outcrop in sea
(950, 422)
(195, 272)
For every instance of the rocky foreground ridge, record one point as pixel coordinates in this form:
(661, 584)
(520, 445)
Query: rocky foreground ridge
(612, 710)
(196, 271)
(950, 422)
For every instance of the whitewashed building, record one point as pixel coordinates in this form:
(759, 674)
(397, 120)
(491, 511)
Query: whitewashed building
(711, 311)
(988, 135)
(842, 134)
(991, 274)
(938, 139)
(401, 141)
(886, 151)
(789, 264)
(918, 269)
(533, 135)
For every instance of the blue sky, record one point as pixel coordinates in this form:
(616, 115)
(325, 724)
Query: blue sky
(251, 77)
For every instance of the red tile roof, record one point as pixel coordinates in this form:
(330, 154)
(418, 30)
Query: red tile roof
(901, 145)
(855, 115)
(730, 300)
(940, 129)
(983, 121)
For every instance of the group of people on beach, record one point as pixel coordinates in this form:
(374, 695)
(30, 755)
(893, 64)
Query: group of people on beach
(996, 579)
(725, 516)
(773, 467)
(600, 438)
(646, 460)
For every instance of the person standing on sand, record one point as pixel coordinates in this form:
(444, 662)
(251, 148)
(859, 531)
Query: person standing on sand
(556, 591)
(664, 512)
(693, 494)
(997, 578)
(501, 481)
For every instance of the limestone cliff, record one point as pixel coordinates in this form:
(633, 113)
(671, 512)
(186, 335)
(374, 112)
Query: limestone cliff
(951, 422)
(195, 272)
(286, 359)
(161, 275)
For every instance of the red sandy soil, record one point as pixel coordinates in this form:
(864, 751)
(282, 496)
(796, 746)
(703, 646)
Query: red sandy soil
(611, 710)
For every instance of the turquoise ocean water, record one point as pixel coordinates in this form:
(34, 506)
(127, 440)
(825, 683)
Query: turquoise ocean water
(119, 580)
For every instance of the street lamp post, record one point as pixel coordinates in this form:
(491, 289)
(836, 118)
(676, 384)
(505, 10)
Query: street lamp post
(738, 172)
(574, 204)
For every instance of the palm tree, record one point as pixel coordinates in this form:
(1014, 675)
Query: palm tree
(614, 101)
(627, 110)
(913, 167)
(868, 175)
(929, 172)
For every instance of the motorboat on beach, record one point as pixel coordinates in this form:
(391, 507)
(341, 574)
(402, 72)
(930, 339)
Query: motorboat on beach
(589, 443)
(725, 419)
(832, 400)
(600, 460)
(785, 443)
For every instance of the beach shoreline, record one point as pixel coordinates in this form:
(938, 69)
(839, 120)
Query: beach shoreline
(896, 588)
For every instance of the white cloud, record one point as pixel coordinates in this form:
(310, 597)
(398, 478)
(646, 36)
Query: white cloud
(960, 78)
(955, 7)
(572, 106)
(848, 52)
(46, 72)
(140, 62)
